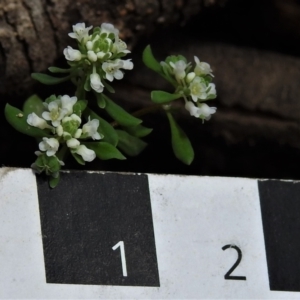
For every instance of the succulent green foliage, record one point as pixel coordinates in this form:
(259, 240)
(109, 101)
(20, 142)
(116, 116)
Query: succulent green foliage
(18, 120)
(79, 107)
(105, 129)
(33, 104)
(50, 165)
(181, 144)
(108, 87)
(47, 79)
(53, 182)
(78, 158)
(150, 61)
(119, 114)
(163, 97)
(105, 150)
(58, 70)
(100, 100)
(138, 130)
(130, 145)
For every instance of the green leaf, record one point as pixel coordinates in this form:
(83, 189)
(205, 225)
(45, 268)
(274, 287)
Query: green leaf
(18, 120)
(163, 97)
(53, 182)
(33, 104)
(105, 150)
(105, 129)
(130, 145)
(166, 74)
(150, 61)
(108, 86)
(119, 114)
(87, 83)
(79, 107)
(58, 70)
(138, 131)
(47, 79)
(100, 100)
(78, 158)
(181, 144)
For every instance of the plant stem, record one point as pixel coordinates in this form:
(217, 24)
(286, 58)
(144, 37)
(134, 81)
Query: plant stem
(62, 152)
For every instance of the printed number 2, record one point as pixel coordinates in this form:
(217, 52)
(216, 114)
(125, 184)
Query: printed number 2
(227, 275)
(123, 257)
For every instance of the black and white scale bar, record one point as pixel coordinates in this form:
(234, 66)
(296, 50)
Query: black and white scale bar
(125, 236)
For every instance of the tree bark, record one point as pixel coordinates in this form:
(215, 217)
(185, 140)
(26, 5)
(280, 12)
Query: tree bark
(33, 33)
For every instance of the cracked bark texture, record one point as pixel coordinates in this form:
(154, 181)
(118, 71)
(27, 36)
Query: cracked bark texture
(33, 33)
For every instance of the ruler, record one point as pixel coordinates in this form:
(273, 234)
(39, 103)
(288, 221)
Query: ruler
(102, 235)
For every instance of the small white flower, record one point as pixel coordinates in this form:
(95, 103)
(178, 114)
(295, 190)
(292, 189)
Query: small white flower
(127, 64)
(89, 45)
(59, 130)
(96, 83)
(120, 46)
(112, 69)
(50, 145)
(55, 113)
(109, 28)
(202, 68)
(80, 32)
(71, 118)
(198, 89)
(87, 154)
(78, 133)
(36, 121)
(212, 90)
(90, 129)
(101, 54)
(73, 143)
(192, 109)
(206, 111)
(179, 69)
(92, 56)
(190, 77)
(72, 54)
(67, 103)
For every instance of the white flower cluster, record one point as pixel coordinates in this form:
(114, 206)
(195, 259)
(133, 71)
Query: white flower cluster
(65, 127)
(198, 85)
(101, 51)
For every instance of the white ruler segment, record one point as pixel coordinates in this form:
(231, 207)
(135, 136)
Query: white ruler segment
(193, 217)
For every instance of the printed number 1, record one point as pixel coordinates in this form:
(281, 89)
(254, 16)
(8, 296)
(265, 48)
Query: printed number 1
(123, 257)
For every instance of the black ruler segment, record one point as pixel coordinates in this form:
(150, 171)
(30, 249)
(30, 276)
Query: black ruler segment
(280, 208)
(85, 216)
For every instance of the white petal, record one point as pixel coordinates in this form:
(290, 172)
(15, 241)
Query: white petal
(96, 83)
(36, 121)
(127, 64)
(73, 143)
(92, 56)
(87, 154)
(67, 103)
(46, 115)
(118, 74)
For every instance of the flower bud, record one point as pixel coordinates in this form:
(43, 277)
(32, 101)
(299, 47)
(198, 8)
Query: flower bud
(72, 54)
(190, 76)
(96, 83)
(92, 56)
(36, 121)
(87, 154)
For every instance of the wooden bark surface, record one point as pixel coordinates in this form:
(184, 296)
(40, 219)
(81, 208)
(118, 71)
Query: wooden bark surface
(33, 33)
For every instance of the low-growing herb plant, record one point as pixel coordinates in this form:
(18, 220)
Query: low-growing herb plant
(65, 124)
